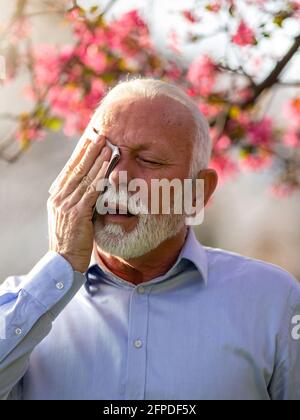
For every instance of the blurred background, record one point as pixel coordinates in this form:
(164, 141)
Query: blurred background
(244, 216)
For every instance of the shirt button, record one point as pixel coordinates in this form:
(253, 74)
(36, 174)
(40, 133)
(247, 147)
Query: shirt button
(18, 331)
(141, 290)
(138, 344)
(60, 285)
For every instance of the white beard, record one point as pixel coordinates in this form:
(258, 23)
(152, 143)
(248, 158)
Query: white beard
(149, 233)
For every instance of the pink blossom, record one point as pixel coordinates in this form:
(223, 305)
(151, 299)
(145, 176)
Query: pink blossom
(96, 93)
(189, 16)
(292, 111)
(214, 7)
(244, 119)
(66, 53)
(174, 43)
(295, 5)
(283, 190)
(30, 134)
(202, 75)
(83, 33)
(46, 65)
(261, 132)
(292, 138)
(74, 105)
(224, 166)
(128, 33)
(242, 94)
(209, 110)
(132, 19)
(75, 73)
(239, 123)
(65, 99)
(191, 91)
(95, 59)
(261, 2)
(29, 93)
(20, 29)
(244, 35)
(256, 161)
(222, 144)
(70, 126)
(98, 36)
(173, 72)
(74, 14)
(257, 64)
(76, 123)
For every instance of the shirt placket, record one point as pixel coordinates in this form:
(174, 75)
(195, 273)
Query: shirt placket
(137, 343)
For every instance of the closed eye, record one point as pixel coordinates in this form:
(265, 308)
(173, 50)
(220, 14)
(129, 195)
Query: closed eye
(150, 161)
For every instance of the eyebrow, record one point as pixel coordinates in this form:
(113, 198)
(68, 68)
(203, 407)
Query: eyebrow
(140, 148)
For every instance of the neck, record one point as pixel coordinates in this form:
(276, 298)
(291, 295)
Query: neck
(142, 269)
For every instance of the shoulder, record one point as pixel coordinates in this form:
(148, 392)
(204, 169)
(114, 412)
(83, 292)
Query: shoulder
(251, 274)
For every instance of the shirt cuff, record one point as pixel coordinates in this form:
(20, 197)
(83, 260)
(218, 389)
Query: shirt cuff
(51, 281)
(47, 289)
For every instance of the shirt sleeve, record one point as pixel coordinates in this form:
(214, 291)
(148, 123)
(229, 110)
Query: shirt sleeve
(285, 383)
(28, 307)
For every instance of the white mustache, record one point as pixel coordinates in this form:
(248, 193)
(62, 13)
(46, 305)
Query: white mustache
(111, 200)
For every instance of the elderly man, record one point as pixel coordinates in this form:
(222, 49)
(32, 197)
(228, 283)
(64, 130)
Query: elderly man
(141, 309)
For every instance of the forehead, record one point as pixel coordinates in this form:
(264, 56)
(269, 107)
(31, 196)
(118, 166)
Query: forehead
(139, 122)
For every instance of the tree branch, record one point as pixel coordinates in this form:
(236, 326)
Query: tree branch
(273, 77)
(240, 71)
(289, 84)
(44, 12)
(108, 7)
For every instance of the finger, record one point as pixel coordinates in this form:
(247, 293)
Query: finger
(90, 196)
(75, 158)
(105, 155)
(90, 177)
(70, 183)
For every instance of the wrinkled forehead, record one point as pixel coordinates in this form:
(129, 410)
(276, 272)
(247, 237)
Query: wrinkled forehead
(159, 117)
(159, 109)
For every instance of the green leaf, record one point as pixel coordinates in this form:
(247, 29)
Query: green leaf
(53, 124)
(266, 34)
(232, 10)
(40, 112)
(108, 77)
(243, 153)
(280, 18)
(93, 9)
(247, 150)
(194, 38)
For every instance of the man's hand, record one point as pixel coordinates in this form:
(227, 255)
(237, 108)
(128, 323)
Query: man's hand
(70, 206)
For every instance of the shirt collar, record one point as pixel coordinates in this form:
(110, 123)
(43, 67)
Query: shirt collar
(192, 251)
(195, 252)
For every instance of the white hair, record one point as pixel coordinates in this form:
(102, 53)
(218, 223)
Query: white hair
(152, 88)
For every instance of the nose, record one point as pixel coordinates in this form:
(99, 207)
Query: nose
(116, 177)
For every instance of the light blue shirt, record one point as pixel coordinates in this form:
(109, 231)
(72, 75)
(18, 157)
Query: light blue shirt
(216, 326)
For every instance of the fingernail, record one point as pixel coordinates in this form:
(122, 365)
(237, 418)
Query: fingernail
(100, 138)
(106, 151)
(51, 189)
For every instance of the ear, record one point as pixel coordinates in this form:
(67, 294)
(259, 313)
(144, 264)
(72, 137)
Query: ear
(210, 178)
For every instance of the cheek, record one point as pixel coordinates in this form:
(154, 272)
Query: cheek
(158, 198)
(164, 198)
